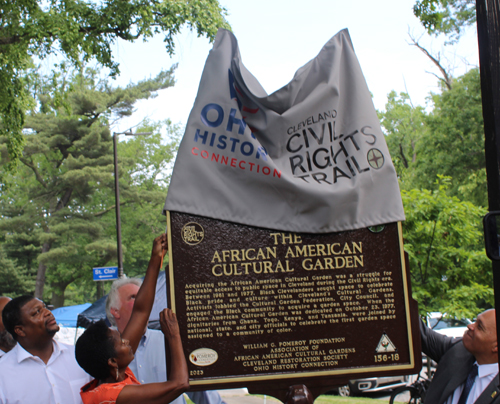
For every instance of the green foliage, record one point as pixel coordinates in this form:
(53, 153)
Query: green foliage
(449, 17)
(14, 101)
(13, 281)
(444, 241)
(404, 125)
(82, 31)
(58, 216)
(145, 164)
(443, 234)
(454, 141)
(448, 140)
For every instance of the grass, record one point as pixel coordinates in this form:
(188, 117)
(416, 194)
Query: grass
(348, 400)
(324, 400)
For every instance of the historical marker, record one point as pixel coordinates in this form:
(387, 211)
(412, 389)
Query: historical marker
(258, 305)
(286, 256)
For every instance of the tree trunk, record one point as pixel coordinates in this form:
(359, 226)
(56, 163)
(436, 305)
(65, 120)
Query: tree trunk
(98, 292)
(58, 289)
(42, 268)
(40, 275)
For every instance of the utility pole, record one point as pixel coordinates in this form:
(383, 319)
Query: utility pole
(117, 199)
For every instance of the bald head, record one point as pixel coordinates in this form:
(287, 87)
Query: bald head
(480, 339)
(6, 340)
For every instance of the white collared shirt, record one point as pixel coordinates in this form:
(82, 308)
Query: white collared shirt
(149, 361)
(25, 378)
(485, 374)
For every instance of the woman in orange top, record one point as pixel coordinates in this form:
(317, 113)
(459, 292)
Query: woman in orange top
(105, 354)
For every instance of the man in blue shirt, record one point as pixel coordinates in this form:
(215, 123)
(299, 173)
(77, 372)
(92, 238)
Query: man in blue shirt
(149, 362)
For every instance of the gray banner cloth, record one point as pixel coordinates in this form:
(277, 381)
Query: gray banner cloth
(310, 157)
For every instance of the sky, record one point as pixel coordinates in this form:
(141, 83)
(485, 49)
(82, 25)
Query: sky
(277, 37)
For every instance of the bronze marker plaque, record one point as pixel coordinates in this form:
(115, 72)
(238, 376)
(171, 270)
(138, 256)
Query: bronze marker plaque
(257, 306)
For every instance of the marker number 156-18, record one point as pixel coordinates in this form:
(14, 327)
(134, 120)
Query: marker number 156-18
(386, 357)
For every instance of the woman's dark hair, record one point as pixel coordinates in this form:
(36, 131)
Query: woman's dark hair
(11, 314)
(93, 349)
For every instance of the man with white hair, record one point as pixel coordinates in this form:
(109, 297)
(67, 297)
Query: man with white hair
(149, 363)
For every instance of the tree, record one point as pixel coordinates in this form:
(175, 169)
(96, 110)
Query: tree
(14, 283)
(82, 31)
(443, 238)
(64, 186)
(454, 140)
(145, 164)
(18, 245)
(443, 235)
(404, 125)
(447, 140)
(444, 76)
(449, 17)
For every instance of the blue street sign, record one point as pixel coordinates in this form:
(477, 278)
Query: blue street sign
(105, 273)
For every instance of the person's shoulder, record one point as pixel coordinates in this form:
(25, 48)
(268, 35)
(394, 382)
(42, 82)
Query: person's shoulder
(66, 350)
(131, 376)
(67, 359)
(155, 338)
(63, 345)
(456, 343)
(154, 334)
(9, 357)
(10, 366)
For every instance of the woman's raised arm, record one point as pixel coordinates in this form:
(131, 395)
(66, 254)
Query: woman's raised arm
(178, 379)
(146, 294)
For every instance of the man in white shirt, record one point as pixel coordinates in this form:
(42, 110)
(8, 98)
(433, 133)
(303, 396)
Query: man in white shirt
(6, 340)
(467, 369)
(38, 369)
(149, 362)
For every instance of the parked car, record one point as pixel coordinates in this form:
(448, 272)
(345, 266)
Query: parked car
(372, 385)
(436, 320)
(451, 327)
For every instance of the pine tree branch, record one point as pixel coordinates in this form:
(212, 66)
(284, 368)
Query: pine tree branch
(108, 209)
(31, 165)
(64, 200)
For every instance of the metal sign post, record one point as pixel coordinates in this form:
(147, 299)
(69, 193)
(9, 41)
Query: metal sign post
(488, 32)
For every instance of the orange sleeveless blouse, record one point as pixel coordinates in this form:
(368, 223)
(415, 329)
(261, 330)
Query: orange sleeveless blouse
(106, 393)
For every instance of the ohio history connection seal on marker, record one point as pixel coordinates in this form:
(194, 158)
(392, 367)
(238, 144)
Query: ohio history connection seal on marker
(286, 261)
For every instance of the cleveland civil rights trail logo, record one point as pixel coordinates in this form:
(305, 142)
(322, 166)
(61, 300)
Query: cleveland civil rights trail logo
(192, 233)
(375, 158)
(317, 150)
